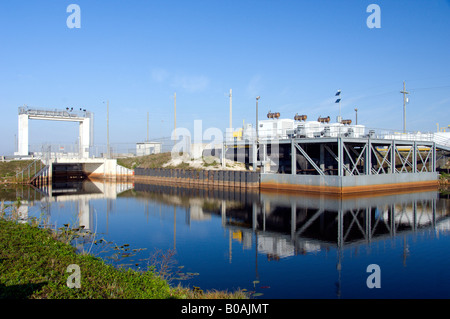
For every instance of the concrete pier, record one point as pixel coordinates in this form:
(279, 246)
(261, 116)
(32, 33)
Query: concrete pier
(341, 165)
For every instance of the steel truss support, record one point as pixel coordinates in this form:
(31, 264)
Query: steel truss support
(406, 162)
(337, 158)
(310, 161)
(384, 159)
(359, 158)
(427, 160)
(355, 157)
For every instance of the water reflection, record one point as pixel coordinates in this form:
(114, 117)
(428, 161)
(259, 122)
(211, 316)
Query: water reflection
(288, 225)
(204, 225)
(80, 193)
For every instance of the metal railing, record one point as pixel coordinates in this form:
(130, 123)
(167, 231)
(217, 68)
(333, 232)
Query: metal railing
(28, 173)
(120, 150)
(117, 150)
(323, 131)
(53, 112)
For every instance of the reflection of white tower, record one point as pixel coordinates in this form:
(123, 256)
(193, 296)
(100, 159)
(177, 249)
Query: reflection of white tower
(196, 213)
(23, 213)
(84, 213)
(196, 209)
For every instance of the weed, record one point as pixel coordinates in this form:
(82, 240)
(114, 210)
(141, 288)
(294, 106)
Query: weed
(34, 259)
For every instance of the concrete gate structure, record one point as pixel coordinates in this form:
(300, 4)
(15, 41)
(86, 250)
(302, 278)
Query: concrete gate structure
(85, 120)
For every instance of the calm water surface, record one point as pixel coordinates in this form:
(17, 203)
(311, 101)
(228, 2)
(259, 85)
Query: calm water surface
(274, 245)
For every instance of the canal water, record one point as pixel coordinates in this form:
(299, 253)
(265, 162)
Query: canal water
(274, 245)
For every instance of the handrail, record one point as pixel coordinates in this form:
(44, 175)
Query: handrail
(39, 173)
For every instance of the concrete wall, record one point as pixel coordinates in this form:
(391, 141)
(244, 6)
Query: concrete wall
(104, 169)
(347, 184)
(228, 178)
(100, 168)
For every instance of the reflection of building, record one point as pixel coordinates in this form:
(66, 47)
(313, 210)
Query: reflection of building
(196, 213)
(82, 192)
(285, 225)
(282, 225)
(272, 245)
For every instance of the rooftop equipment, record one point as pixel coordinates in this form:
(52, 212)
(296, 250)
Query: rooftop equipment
(300, 117)
(273, 115)
(346, 122)
(323, 119)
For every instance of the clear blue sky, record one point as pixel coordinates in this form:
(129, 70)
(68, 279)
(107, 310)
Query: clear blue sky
(294, 54)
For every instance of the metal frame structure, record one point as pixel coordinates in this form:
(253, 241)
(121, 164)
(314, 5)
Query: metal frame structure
(350, 157)
(342, 164)
(341, 156)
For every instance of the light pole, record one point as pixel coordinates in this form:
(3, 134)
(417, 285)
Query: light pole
(231, 112)
(107, 128)
(175, 114)
(257, 136)
(356, 111)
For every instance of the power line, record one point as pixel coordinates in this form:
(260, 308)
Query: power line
(431, 88)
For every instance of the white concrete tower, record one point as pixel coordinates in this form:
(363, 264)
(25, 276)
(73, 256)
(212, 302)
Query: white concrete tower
(85, 127)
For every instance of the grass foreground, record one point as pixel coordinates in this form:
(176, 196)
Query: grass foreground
(34, 265)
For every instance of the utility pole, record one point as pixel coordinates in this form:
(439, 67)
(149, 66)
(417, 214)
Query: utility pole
(404, 92)
(257, 135)
(147, 127)
(175, 115)
(231, 112)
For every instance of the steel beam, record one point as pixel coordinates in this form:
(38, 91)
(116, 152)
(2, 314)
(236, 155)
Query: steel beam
(368, 158)
(392, 154)
(433, 162)
(293, 158)
(309, 159)
(340, 157)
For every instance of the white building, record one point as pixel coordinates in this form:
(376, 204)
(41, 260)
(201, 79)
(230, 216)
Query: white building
(274, 128)
(285, 128)
(147, 148)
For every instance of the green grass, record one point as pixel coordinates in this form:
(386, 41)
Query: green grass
(33, 265)
(34, 261)
(9, 169)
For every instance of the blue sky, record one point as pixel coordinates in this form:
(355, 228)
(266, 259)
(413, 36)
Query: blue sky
(294, 54)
